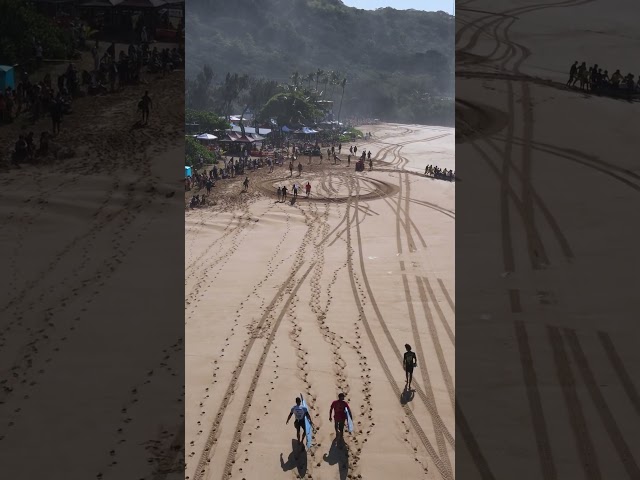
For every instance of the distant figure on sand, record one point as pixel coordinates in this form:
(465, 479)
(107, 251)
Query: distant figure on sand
(370, 163)
(299, 169)
(307, 187)
(572, 72)
(284, 193)
(279, 193)
(348, 160)
(300, 413)
(291, 167)
(246, 183)
(338, 409)
(409, 362)
(145, 106)
(295, 190)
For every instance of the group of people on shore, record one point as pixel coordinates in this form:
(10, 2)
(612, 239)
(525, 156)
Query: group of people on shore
(439, 174)
(281, 192)
(595, 79)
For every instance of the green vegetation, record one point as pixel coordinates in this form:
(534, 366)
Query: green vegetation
(196, 154)
(349, 135)
(209, 122)
(19, 24)
(398, 65)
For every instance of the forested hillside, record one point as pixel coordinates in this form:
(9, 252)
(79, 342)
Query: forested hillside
(398, 64)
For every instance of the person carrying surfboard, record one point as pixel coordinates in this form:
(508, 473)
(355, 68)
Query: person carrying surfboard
(299, 412)
(338, 410)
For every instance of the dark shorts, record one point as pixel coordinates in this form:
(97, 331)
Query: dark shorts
(409, 369)
(340, 425)
(300, 424)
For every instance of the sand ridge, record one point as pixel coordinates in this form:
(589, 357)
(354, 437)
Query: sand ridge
(317, 297)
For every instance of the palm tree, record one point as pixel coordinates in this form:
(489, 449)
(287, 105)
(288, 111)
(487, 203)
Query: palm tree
(319, 74)
(295, 78)
(342, 84)
(334, 79)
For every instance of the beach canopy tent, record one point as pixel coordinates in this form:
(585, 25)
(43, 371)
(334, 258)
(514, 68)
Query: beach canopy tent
(237, 129)
(7, 77)
(187, 172)
(286, 129)
(306, 131)
(206, 136)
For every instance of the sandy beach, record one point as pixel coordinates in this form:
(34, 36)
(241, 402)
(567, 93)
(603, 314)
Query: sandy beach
(317, 297)
(556, 182)
(77, 234)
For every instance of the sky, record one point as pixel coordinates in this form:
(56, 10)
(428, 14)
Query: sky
(428, 5)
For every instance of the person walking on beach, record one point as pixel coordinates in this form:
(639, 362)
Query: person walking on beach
(299, 169)
(145, 105)
(370, 163)
(279, 193)
(338, 411)
(295, 190)
(246, 183)
(409, 362)
(355, 149)
(348, 160)
(572, 72)
(291, 167)
(307, 187)
(350, 149)
(300, 413)
(284, 193)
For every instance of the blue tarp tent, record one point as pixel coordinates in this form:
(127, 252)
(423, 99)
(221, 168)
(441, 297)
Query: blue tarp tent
(187, 172)
(286, 129)
(7, 78)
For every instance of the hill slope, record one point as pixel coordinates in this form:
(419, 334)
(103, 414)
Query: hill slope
(398, 63)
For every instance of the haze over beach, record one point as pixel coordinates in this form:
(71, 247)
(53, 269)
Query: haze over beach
(317, 293)
(557, 184)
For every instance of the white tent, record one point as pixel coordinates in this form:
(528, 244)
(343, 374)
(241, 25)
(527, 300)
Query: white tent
(206, 136)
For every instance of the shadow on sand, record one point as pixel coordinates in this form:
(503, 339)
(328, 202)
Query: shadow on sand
(407, 395)
(293, 201)
(338, 454)
(297, 459)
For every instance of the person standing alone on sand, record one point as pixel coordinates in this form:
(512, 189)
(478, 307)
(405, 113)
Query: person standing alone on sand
(339, 410)
(409, 362)
(307, 187)
(291, 167)
(300, 413)
(299, 169)
(145, 106)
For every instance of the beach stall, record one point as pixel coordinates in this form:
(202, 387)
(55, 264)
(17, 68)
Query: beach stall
(7, 77)
(187, 172)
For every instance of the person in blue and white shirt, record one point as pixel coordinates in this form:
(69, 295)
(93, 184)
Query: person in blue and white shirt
(300, 413)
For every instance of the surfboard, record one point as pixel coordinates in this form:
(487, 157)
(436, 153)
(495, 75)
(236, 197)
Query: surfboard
(349, 421)
(307, 424)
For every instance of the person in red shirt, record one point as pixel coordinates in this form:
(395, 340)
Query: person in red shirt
(307, 187)
(338, 410)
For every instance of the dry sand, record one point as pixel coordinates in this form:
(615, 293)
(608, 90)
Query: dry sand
(76, 235)
(555, 192)
(319, 297)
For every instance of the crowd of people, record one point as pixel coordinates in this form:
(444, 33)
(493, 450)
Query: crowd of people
(439, 174)
(54, 97)
(595, 79)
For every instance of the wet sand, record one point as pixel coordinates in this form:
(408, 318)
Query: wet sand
(319, 297)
